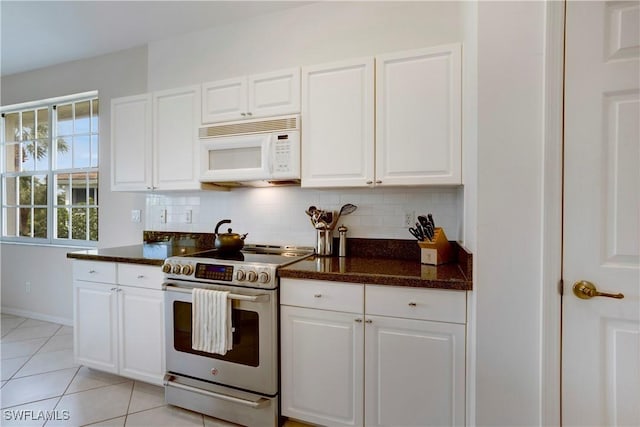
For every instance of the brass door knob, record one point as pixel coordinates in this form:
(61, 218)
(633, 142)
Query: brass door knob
(587, 290)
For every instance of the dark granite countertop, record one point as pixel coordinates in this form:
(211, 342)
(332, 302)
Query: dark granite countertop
(372, 261)
(146, 253)
(395, 265)
(157, 246)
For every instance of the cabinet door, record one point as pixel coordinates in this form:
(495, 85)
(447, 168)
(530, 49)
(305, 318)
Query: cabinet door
(418, 117)
(95, 324)
(141, 332)
(176, 116)
(322, 369)
(337, 117)
(274, 93)
(131, 143)
(224, 100)
(415, 373)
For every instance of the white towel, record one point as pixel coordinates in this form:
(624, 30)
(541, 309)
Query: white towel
(211, 321)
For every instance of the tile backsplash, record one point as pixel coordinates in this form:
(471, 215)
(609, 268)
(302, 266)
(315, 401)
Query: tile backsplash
(276, 215)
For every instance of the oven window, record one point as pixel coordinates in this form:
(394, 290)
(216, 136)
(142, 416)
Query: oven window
(246, 334)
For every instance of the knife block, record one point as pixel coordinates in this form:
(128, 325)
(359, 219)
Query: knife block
(436, 251)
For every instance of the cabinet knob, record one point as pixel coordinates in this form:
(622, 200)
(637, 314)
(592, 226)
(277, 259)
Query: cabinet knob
(317, 296)
(249, 114)
(243, 114)
(114, 289)
(412, 304)
(140, 276)
(369, 182)
(358, 320)
(368, 321)
(92, 272)
(378, 182)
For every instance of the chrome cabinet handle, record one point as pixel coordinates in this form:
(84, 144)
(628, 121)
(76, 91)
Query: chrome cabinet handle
(368, 321)
(317, 296)
(378, 182)
(114, 289)
(249, 114)
(140, 276)
(369, 182)
(358, 320)
(92, 272)
(412, 304)
(243, 114)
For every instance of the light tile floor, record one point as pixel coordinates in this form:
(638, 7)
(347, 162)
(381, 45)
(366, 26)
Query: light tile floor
(40, 380)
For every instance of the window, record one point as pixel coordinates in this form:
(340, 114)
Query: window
(50, 171)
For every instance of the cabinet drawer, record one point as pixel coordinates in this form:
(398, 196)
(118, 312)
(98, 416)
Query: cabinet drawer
(143, 276)
(416, 303)
(94, 271)
(321, 294)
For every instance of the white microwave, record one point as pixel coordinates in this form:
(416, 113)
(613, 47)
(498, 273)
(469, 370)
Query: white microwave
(251, 152)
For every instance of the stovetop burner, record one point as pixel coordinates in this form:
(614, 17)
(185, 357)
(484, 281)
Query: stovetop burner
(254, 266)
(262, 254)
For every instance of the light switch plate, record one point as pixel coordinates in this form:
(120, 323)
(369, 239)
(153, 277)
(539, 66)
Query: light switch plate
(135, 215)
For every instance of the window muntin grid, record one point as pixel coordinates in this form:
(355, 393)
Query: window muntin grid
(45, 148)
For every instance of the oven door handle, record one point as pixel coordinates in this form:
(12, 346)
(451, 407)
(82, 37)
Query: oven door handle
(251, 298)
(260, 403)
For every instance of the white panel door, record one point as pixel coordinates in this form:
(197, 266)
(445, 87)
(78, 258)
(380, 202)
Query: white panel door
(322, 371)
(95, 321)
(418, 117)
(415, 373)
(176, 117)
(131, 143)
(274, 93)
(601, 335)
(141, 333)
(224, 100)
(338, 124)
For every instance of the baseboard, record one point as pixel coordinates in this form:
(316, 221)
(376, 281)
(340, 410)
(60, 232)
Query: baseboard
(37, 316)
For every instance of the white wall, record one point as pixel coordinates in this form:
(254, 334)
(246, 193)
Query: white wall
(310, 34)
(48, 270)
(502, 221)
(508, 288)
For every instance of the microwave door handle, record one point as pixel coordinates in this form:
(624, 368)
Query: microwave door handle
(270, 157)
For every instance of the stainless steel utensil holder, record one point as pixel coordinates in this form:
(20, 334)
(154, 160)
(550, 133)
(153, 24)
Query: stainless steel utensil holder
(324, 242)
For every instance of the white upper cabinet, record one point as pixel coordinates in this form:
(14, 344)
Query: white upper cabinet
(176, 160)
(154, 141)
(416, 136)
(337, 124)
(260, 95)
(131, 143)
(418, 117)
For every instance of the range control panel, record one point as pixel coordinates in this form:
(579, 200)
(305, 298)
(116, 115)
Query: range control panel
(214, 272)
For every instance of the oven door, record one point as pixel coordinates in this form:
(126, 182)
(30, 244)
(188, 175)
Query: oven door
(252, 363)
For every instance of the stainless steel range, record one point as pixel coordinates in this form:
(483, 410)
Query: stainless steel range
(242, 385)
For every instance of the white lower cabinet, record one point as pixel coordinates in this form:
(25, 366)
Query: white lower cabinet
(119, 328)
(414, 373)
(394, 356)
(322, 369)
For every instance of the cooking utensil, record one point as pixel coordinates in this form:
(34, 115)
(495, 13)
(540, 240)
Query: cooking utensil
(416, 233)
(429, 232)
(346, 209)
(430, 219)
(228, 242)
(423, 221)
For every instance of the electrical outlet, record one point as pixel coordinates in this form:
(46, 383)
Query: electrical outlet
(163, 216)
(188, 216)
(409, 218)
(135, 215)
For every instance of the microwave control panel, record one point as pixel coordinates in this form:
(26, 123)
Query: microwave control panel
(282, 155)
